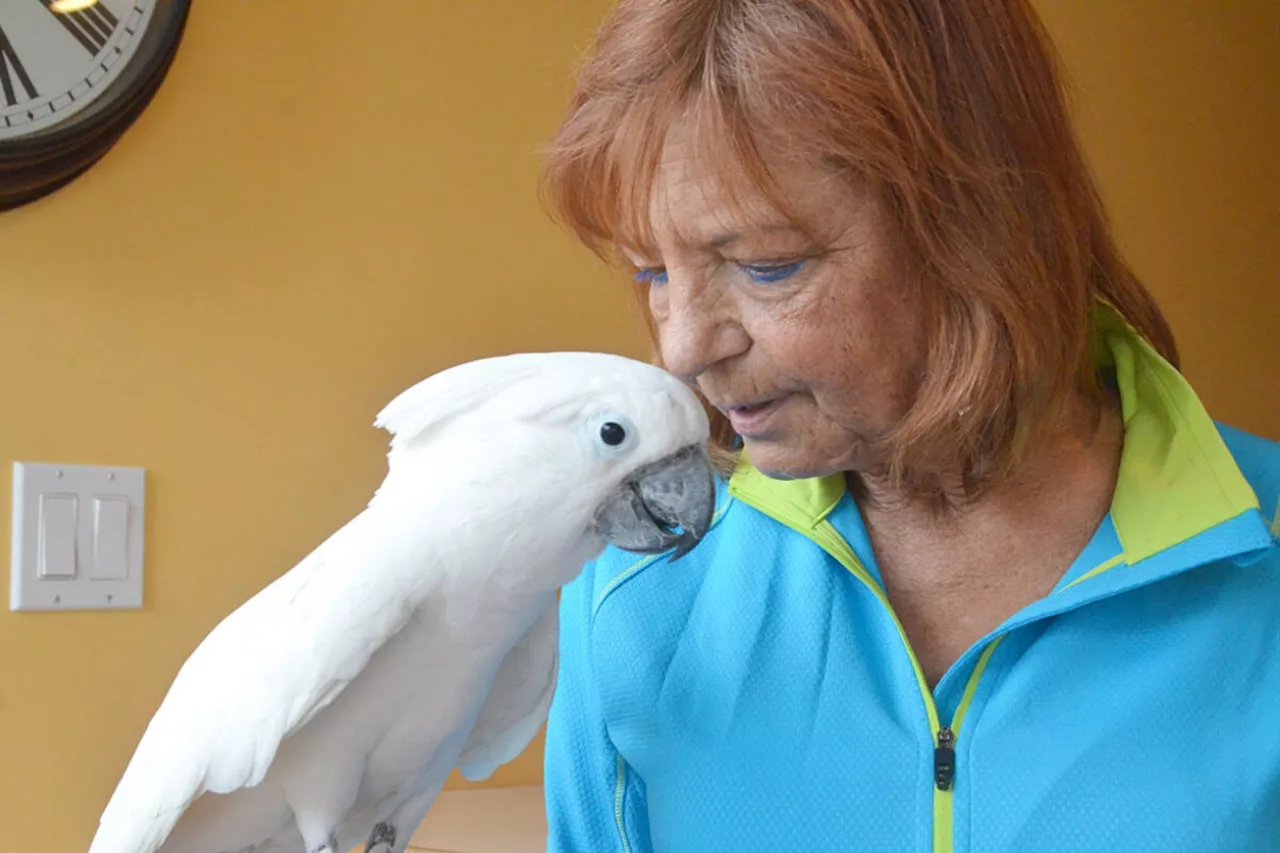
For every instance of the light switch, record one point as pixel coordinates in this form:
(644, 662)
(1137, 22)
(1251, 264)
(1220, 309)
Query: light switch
(110, 538)
(77, 536)
(57, 537)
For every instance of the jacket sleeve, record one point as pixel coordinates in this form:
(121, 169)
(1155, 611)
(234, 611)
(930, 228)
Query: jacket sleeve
(594, 802)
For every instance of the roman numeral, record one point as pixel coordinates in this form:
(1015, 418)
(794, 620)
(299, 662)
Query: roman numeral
(9, 60)
(92, 27)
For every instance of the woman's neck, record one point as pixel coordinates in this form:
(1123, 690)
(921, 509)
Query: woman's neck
(954, 574)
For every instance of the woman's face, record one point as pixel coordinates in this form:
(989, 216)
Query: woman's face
(812, 350)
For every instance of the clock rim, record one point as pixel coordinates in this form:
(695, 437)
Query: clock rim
(36, 165)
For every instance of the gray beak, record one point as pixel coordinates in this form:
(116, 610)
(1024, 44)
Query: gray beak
(666, 504)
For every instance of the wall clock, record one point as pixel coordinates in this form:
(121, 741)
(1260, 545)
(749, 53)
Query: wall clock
(74, 75)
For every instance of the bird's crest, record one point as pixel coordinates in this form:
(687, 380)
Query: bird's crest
(464, 388)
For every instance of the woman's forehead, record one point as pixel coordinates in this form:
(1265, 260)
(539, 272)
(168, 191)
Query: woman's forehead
(703, 200)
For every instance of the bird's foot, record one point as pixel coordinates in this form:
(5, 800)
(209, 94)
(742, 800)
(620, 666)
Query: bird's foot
(383, 834)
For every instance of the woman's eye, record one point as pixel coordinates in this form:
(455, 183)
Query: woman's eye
(771, 273)
(651, 275)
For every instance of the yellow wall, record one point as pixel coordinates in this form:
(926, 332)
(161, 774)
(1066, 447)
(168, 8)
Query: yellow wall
(321, 207)
(1176, 103)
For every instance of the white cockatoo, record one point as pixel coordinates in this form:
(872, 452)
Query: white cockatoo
(329, 709)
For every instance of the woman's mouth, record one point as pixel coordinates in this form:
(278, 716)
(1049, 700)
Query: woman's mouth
(752, 420)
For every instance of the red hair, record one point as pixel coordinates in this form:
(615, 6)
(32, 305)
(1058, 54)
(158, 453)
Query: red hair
(954, 112)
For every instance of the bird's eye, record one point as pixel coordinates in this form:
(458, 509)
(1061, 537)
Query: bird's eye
(613, 433)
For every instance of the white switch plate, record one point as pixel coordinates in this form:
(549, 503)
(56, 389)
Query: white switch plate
(77, 537)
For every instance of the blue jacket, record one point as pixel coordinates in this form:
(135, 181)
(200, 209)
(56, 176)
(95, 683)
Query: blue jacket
(759, 694)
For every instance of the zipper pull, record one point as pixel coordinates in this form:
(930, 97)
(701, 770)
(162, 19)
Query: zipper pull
(944, 759)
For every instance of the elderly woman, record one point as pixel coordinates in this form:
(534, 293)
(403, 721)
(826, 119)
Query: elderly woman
(984, 574)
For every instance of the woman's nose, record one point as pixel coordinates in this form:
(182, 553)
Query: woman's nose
(697, 327)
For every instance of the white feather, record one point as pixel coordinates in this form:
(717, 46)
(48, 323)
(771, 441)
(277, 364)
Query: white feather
(518, 701)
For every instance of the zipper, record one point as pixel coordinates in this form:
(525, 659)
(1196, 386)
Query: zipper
(829, 539)
(944, 759)
(944, 753)
(944, 736)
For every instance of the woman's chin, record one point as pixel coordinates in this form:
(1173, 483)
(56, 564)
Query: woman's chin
(780, 460)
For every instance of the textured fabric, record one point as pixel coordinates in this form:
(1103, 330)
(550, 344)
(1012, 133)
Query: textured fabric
(758, 695)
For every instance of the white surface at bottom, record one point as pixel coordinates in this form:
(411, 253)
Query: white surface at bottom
(485, 820)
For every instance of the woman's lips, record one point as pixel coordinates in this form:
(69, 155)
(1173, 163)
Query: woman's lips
(752, 420)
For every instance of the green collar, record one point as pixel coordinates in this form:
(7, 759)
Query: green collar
(1176, 479)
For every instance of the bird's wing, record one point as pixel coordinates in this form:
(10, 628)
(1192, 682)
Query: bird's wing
(518, 702)
(259, 676)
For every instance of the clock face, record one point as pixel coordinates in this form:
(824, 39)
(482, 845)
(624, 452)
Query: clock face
(58, 56)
